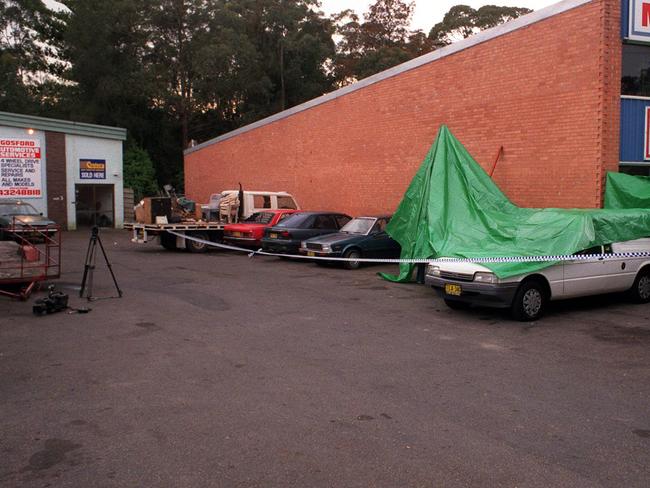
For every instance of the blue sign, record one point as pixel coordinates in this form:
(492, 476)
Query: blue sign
(92, 169)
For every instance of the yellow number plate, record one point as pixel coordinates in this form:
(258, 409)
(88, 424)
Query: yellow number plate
(236, 234)
(273, 235)
(310, 253)
(453, 290)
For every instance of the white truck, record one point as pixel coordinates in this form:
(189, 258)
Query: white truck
(462, 284)
(210, 227)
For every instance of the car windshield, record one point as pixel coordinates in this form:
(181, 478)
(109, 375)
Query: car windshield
(259, 218)
(17, 209)
(296, 221)
(359, 226)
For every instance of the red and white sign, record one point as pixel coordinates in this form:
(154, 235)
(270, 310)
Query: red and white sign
(20, 168)
(639, 29)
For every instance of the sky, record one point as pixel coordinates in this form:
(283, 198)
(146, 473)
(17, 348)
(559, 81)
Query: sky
(430, 12)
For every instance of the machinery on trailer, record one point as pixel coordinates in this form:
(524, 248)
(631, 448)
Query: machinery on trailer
(156, 217)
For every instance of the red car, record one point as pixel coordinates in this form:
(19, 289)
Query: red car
(249, 232)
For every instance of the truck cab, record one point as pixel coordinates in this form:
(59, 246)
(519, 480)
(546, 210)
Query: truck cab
(224, 206)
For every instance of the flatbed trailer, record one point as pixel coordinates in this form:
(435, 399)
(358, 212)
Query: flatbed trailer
(208, 231)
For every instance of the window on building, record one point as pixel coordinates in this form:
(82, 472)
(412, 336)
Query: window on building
(635, 79)
(635, 170)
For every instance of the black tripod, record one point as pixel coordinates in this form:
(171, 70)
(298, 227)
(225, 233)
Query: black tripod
(89, 267)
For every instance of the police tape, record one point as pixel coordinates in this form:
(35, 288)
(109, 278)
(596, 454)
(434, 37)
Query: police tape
(478, 260)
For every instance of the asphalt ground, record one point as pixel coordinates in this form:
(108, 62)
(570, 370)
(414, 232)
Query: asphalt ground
(220, 370)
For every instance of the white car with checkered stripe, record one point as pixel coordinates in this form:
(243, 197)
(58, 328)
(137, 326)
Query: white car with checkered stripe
(619, 267)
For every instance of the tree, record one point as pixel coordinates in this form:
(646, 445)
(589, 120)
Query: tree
(381, 41)
(463, 21)
(29, 37)
(138, 171)
(293, 42)
(110, 80)
(105, 46)
(387, 23)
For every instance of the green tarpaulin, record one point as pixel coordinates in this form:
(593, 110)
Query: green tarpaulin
(453, 208)
(626, 191)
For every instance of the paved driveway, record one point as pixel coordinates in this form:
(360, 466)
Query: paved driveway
(219, 370)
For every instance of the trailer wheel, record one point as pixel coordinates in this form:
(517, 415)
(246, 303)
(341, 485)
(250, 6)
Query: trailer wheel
(168, 241)
(197, 247)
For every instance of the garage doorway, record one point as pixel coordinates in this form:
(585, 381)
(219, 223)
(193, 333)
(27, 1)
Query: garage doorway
(95, 205)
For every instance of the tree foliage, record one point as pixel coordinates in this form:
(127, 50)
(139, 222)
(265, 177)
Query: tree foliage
(30, 34)
(139, 172)
(463, 21)
(381, 41)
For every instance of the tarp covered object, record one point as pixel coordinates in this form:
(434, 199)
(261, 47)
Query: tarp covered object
(627, 191)
(453, 208)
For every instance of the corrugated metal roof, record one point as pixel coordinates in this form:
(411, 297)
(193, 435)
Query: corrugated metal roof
(479, 38)
(65, 126)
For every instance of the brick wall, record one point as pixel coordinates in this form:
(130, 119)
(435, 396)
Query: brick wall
(611, 58)
(547, 92)
(56, 178)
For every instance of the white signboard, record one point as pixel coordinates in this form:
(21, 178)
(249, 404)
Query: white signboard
(639, 20)
(20, 168)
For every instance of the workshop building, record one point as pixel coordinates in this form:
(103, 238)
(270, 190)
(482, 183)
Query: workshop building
(69, 171)
(564, 90)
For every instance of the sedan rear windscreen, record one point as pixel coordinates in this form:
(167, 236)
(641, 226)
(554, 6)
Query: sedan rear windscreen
(298, 221)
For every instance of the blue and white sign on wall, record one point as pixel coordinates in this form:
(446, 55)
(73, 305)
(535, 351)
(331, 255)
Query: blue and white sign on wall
(92, 169)
(639, 20)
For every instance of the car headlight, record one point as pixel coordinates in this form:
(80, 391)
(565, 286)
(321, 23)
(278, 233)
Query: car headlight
(326, 248)
(485, 277)
(434, 270)
(303, 245)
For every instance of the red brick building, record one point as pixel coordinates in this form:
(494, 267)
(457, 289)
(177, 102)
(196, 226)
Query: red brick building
(546, 87)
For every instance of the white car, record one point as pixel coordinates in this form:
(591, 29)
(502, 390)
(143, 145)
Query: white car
(465, 283)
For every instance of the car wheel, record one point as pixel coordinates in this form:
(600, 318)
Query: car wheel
(456, 304)
(168, 241)
(197, 247)
(640, 291)
(530, 301)
(351, 254)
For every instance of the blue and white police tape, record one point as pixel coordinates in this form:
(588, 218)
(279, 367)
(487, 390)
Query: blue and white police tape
(479, 260)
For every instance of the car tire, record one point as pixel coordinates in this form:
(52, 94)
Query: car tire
(168, 241)
(352, 254)
(456, 304)
(640, 291)
(530, 301)
(197, 247)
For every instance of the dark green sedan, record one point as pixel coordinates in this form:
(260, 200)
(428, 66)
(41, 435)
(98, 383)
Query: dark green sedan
(363, 237)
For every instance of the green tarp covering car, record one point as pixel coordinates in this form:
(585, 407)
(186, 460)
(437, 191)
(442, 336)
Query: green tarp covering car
(453, 208)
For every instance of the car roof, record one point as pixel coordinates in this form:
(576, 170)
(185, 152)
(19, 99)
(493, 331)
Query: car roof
(320, 212)
(276, 210)
(373, 217)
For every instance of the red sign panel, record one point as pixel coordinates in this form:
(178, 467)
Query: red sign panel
(20, 168)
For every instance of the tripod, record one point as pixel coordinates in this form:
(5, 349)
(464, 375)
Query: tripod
(89, 267)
